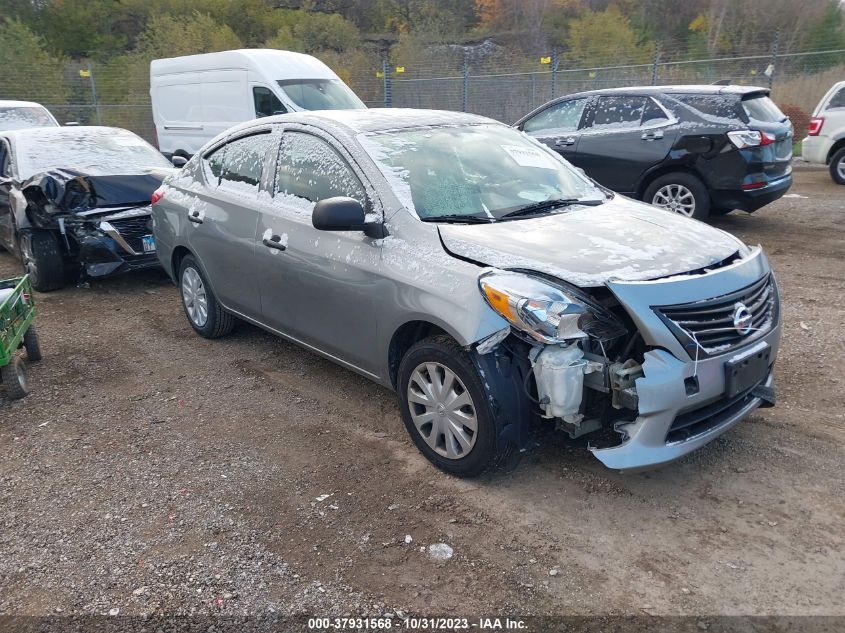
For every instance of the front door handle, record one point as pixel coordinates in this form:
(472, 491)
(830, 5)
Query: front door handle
(195, 217)
(564, 141)
(651, 136)
(274, 241)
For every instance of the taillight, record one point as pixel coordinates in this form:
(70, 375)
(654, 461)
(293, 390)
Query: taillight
(743, 139)
(766, 139)
(815, 126)
(158, 194)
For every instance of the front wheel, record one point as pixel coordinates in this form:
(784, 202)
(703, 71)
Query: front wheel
(204, 312)
(42, 258)
(14, 378)
(681, 193)
(446, 407)
(837, 167)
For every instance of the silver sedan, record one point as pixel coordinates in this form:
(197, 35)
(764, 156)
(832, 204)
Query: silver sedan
(466, 266)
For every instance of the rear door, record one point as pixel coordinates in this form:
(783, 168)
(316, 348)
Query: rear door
(762, 114)
(558, 126)
(623, 137)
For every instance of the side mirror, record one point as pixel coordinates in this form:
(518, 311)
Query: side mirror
(338, 214)
(178, 161)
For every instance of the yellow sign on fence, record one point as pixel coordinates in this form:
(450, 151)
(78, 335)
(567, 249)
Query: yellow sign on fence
(84, 73)
(545, 60)
(400, 69)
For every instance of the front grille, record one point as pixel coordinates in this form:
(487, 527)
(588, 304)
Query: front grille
(706, 328)
(133, 230)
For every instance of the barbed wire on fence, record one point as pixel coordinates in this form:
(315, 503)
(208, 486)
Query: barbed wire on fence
(497, 82)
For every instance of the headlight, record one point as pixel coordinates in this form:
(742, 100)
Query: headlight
(541, 310)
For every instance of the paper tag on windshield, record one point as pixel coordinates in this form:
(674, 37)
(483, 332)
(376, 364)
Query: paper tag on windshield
(528, 157)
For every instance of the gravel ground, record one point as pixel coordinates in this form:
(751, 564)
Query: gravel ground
(154, 472)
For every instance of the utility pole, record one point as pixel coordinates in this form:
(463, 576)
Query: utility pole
(770, 71)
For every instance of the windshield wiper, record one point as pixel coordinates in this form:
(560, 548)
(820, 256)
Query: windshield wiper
(457, 218)
(546, 205)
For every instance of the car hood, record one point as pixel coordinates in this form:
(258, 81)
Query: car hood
(589, 246)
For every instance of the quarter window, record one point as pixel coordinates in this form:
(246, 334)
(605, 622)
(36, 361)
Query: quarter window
(561, 117)
(310, 169)
(212, 165)
(621, 112)
(837, 100)
(244, 162)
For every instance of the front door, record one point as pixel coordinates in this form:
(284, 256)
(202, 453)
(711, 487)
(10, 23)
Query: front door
(558, 126)
(317, 286)
(623, 137)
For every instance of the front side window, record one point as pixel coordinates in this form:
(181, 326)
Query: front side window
(266, 103)
(243, 162)
(618, 112)
(483, 171)
(561, 117)
(311, 170)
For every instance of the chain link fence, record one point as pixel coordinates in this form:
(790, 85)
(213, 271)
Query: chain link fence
(486, 79)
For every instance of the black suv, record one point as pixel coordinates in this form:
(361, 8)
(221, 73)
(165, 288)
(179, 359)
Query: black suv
(697, 150)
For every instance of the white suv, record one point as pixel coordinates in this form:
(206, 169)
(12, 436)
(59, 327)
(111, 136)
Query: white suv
(825, 142)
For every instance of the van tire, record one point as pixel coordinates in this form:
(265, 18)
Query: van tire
(661, 188)
(837, 167)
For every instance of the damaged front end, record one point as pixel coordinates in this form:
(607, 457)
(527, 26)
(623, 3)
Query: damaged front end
(103, 222)
(652, 370)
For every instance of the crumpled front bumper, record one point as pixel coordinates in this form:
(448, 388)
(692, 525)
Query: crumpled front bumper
(663, 391)
(101, 256)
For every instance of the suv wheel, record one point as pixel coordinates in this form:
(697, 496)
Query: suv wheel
(837, 167)
(679, 192)
(205, 314)
(446, 407)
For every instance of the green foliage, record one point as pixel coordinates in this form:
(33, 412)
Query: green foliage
(166, 36)
(29, 72)
(591, 33)
(314, 32)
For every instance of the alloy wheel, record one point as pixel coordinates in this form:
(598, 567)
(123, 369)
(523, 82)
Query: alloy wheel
(194, 297)
(442, 410)
(675, 198)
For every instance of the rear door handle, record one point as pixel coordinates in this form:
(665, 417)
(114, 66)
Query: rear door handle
(274, 241)
(651, 136)
(195, 217)
(564, 141)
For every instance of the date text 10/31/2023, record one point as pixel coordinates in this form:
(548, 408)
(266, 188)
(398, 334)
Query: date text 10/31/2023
(417, 624)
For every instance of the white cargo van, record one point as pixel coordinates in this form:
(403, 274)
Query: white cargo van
(196, 97)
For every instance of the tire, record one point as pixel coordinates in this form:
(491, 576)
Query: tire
(837, 167)
(203, 311)
(672, 191)
(42, 258)
(32, 345)
(479, 451)
(14, 379)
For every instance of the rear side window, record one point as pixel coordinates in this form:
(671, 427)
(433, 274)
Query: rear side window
(561, 117)
(722, 106)
(762, 109)
(618, 112)
(837, 100)
(653, 114)
(310, 169)
(243, 162)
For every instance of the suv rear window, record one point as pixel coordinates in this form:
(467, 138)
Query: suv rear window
(837, 100)
(762, 109)
(722, 106)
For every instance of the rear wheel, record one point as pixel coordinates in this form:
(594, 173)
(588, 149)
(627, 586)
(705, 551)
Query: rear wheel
(837, 167)
(14, 379)
(446, 407)
(679, 192)
(204, 312)
(32, 345)
(42, 259)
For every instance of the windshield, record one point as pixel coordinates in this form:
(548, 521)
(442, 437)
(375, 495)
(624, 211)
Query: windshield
(16, 118)
(94, 152)
(763, 109)
(475, 171)
(320, 94)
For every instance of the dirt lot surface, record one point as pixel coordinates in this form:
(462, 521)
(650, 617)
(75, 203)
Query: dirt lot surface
(152, 471)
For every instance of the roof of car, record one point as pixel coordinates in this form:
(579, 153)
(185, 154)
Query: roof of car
(8, 103)
(709, 89)
(379, 119)
(59, 132)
